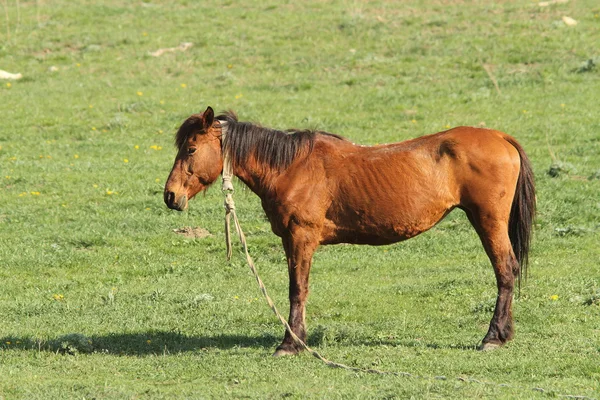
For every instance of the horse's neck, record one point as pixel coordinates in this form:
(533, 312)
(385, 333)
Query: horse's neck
(259, 179)
(249, 177)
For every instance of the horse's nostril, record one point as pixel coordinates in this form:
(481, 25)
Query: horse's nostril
(169, 198)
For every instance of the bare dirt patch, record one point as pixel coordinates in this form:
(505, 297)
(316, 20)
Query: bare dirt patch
(190, 232)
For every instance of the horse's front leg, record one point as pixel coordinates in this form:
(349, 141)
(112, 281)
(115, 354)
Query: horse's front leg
(299, 249)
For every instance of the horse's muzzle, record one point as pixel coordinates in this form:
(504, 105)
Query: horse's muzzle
(175, 203)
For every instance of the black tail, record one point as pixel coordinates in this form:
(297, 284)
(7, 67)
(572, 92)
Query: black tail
(520, 224)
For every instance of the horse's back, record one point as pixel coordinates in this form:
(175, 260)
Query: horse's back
(436, 164)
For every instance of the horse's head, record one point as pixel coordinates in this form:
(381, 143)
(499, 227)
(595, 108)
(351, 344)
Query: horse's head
(199, 160)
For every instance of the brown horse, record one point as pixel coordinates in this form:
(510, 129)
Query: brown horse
(318, 188)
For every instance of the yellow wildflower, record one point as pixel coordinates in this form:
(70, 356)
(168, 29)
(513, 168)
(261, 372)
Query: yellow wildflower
(140, 93)
(125, 160)
(554, 297)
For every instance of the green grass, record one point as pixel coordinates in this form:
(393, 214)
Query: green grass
(100, 299)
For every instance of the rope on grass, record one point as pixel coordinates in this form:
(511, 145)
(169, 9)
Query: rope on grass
(229, 204)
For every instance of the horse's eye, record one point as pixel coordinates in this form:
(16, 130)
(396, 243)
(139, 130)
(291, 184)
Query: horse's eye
(191, 150)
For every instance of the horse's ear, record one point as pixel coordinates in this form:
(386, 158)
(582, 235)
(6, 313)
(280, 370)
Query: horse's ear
(208, 118)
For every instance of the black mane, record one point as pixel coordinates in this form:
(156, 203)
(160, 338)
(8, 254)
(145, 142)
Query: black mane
(277, 149)
(190, 126)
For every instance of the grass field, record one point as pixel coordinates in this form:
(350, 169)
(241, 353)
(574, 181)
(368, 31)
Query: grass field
(101, 299)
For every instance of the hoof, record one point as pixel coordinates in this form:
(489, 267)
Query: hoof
(284, 352)
(488, 346)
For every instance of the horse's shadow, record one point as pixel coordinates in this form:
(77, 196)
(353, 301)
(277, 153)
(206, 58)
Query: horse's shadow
(321, 335)
(168, 342)
(419, 344)
(139, 343)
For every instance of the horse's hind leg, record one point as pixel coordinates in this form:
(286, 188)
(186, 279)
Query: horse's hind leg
(493, 232)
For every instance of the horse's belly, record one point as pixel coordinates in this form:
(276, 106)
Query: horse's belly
(374, 232)
(361, 238)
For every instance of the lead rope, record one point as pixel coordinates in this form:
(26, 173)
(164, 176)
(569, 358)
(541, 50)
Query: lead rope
(227, 188)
